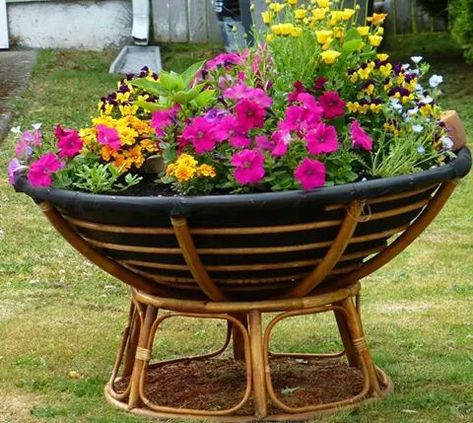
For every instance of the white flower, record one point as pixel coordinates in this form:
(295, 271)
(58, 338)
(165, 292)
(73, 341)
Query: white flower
(447, 143)
(427, 100)
(418, 129)
(421, 149)
(415, 72)
(36, 126)
(406, 66)
(417, 59)
(435, 80)
(419, 88)
(16, 130)
(413, 111)
(397, 106)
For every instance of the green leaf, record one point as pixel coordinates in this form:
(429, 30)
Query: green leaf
(185, 97)
(171, 81)
(150, 107)
(189, 74)
(206, 98)
(152, 87)
(351, 46)
(352, 34)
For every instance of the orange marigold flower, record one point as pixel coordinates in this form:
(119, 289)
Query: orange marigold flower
(207, 171)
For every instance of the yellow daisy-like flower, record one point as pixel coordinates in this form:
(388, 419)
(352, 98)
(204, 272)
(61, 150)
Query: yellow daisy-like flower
(292, 2)
(377, 18)
(323, 3)
(128, 109)
(127, 135)
(319, 14)
(347, 14)
(296, 32)
(323, 36)
(149, 145)
(300, 14)
(104, 120)
(375, 40)
(207, 171)
(330, 56)
(363, 30)
(276, 7)
(267, 17)
(88, 135)
(184, 173)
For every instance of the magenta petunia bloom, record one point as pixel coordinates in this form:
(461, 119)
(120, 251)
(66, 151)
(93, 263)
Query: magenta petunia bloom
(310, 174)
(249, 166)
(108, 136)
(161, 119)
(281, 140)
(229, 129)
(322, 139)
(319, 83)
(360, 139)
(294, 119)
(241, 91)
(201, 134)
(225, 60)
(69, 142)
(264, 143)
(332, 104)
(13, 166)
(250, 114)
(28, 139)
(298, 89)
(41, 170)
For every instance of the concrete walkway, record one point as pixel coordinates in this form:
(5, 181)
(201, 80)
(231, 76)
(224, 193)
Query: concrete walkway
(15, 72)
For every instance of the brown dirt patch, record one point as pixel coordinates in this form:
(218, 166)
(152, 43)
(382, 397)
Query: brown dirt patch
(217, 384)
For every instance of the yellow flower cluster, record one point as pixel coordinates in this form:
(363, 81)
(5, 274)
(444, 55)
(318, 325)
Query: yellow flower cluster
(323, 18)
(186, 168)
(135, 139)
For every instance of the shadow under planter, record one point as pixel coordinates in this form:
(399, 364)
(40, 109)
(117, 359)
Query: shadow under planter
(236, 257)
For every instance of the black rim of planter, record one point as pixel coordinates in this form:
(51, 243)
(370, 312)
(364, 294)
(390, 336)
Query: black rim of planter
(180, 206)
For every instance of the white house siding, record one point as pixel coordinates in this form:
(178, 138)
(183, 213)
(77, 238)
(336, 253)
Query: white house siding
(87, 25)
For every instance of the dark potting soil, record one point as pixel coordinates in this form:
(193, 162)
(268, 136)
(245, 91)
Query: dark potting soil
(217, 384)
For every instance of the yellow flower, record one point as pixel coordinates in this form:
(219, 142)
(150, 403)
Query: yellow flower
(369, 89)
(300, 13)
(107, 153)
(375, 108)
(296, 32)
(104, 120)
(319, 14)
(353, 107)
(276, 7)
(267, 17)
(88, 135)
(127, 135)
(135, 156)
(123, 97)
(375, 40)
(207, 171)
(323, 36)
(383, 57)
(386, 69)
(128, 109)
(347, 14)
(170, 169)
(269, 38)
(380, 31)
(339, 32)
(377, 18)
(292, 2)
(149, 145)
(323, 3)
(184, 173)
(363, 30)
(330, 56)
(364, 73)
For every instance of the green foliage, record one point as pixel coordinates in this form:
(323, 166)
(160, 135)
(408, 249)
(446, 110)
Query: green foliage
(86, 173)
(461, 16)
(436, 8)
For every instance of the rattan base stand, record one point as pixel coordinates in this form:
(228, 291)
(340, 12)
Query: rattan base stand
(128, 387)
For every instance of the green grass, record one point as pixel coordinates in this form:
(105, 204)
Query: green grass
(59, 313)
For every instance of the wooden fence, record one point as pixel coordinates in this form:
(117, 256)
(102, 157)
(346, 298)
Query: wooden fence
(406, 16)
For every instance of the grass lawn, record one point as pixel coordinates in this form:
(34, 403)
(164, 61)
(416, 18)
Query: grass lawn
(59, 314)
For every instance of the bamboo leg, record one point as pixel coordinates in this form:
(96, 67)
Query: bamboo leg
(131, 346)
(238, 339)
(142, 356)
(257, 365)
(359, 343)
(352, 357)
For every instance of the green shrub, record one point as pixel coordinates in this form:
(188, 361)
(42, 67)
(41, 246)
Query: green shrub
(436, 8)
(461, 21)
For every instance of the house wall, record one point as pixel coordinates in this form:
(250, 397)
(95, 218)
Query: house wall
(87, 25)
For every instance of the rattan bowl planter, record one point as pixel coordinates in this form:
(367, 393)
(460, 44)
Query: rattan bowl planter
(236, 257)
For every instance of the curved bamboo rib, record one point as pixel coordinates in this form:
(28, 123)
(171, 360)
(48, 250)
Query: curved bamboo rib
(132, 248)
(119, 229)
(411, 233)
(332, 257)
(192, 259)
(400, 210)
(85, 249)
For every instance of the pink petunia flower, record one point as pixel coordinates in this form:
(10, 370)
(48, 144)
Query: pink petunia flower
(241, 91)
(69, 142)
(13, 166)
(310, 174)
(322, 139)
(229, 129)
(41, 170)
(201, 133)
(28, 140)
(332, 104)
(249, 166)
(161, 119)
(294, 118)
(250, 114)
(298, 89)
(311, 105)
(108, 136)
(281, 140)
(264, 143)
(224, 60)
(360, 139)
